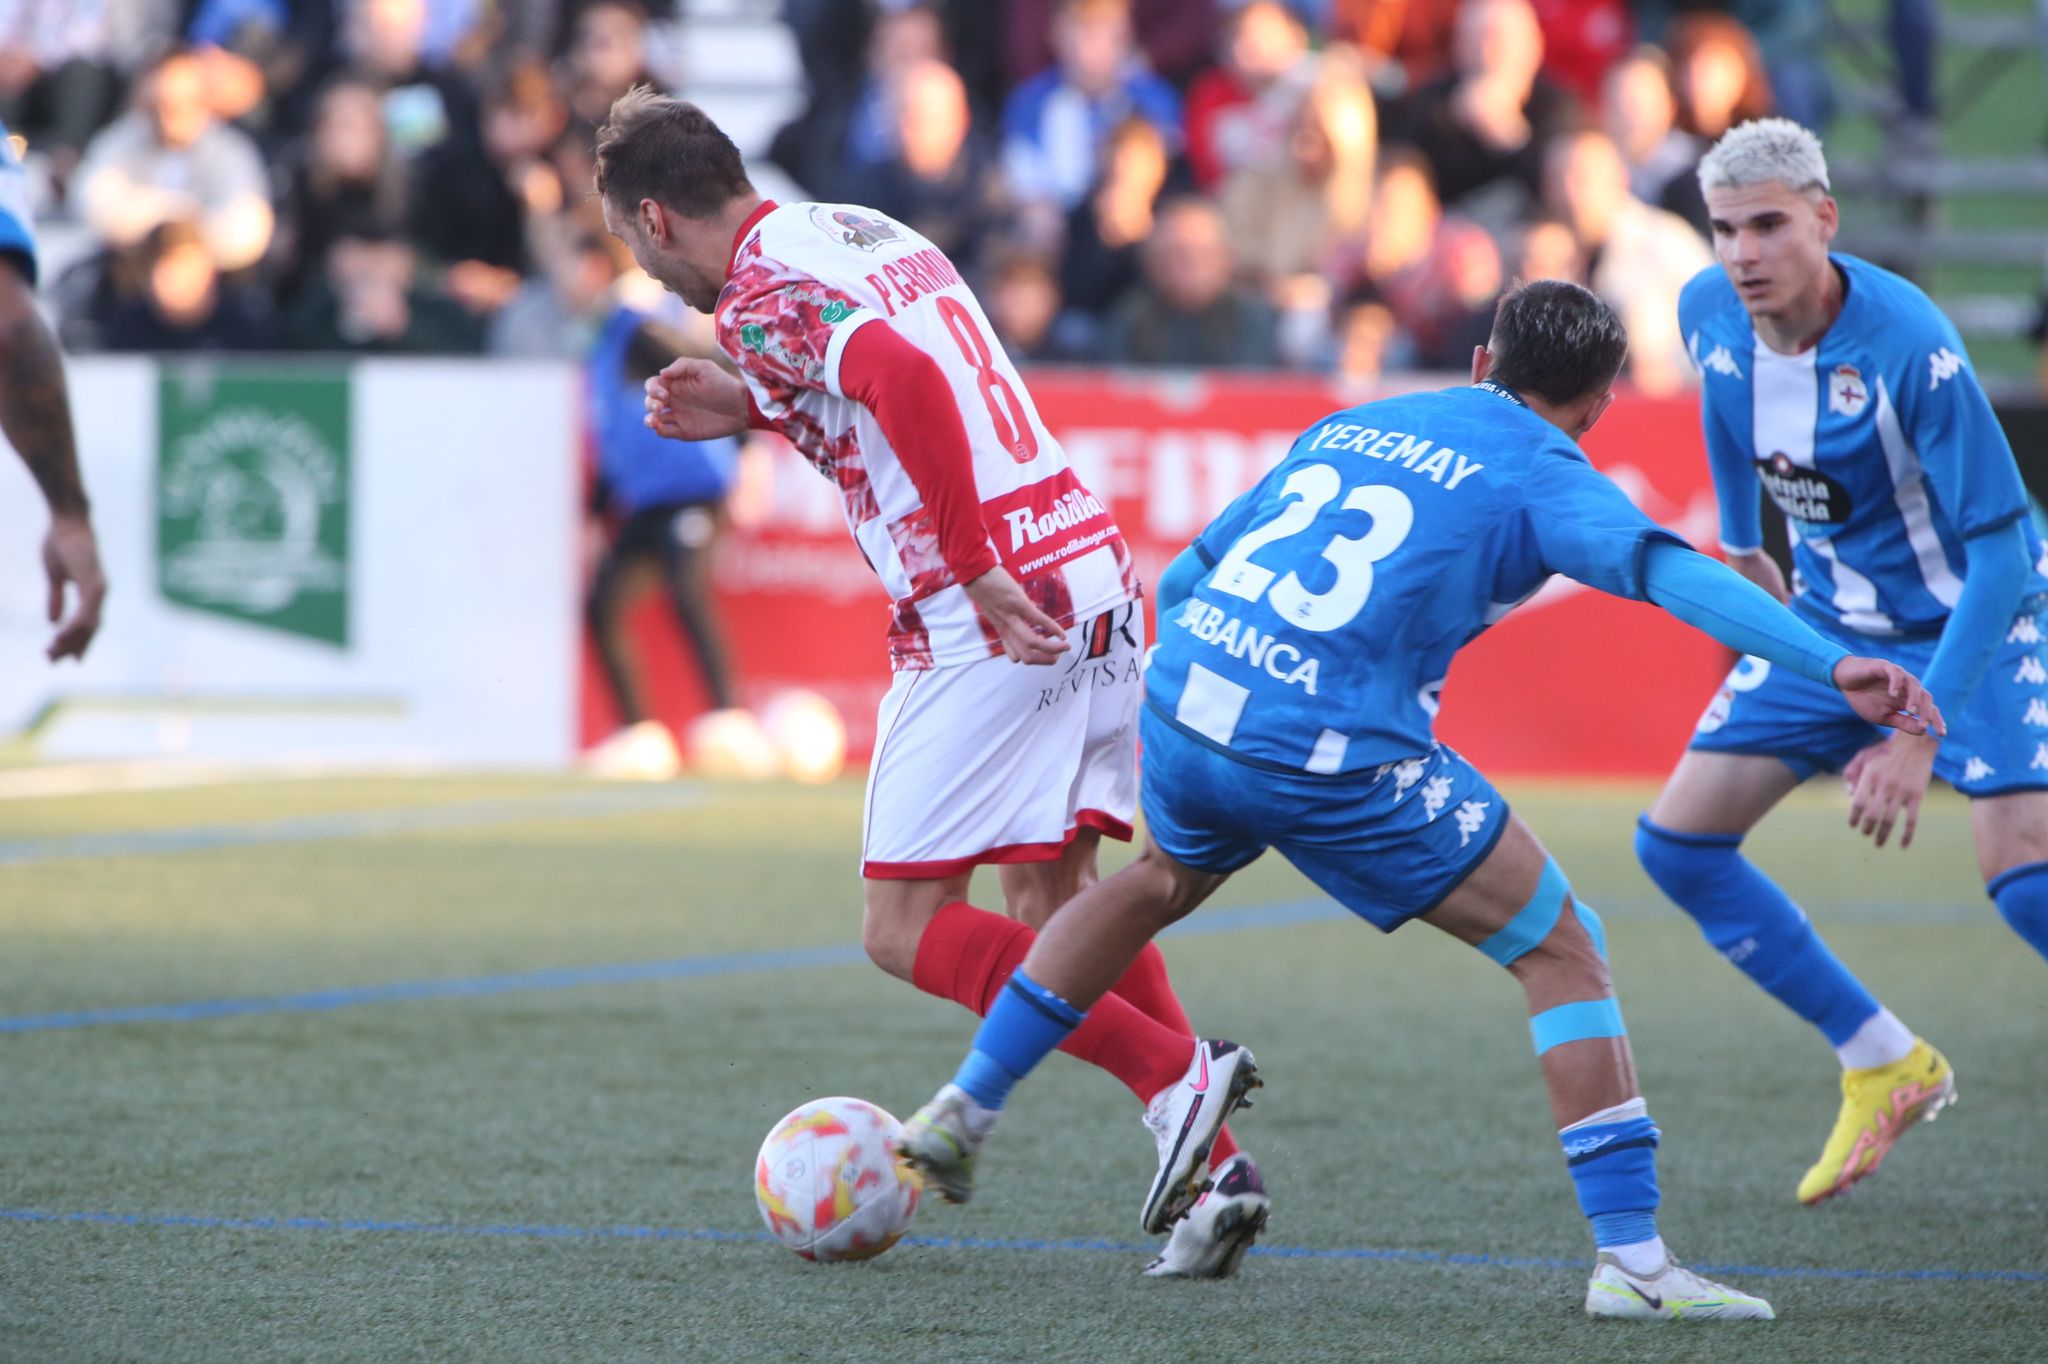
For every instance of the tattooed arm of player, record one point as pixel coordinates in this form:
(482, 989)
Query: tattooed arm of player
(35, 414)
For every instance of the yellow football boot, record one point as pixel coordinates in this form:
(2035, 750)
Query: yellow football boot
(1878, 1105)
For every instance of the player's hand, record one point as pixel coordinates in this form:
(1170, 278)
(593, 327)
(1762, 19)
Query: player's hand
(696, 400)
(1028, 634)
(1761, 569)
(71, 555)
(1886, 694)
(1886, 782)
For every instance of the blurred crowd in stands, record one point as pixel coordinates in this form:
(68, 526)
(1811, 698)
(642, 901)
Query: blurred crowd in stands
(1341, 186)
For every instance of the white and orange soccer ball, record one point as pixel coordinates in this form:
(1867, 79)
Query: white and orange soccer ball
(829, 1184)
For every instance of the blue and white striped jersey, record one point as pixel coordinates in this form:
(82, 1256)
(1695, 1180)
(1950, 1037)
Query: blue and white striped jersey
(17, 226)
(1877, 444)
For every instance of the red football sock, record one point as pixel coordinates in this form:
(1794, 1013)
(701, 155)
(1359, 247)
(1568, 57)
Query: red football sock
(967, 954)
(1146, 986)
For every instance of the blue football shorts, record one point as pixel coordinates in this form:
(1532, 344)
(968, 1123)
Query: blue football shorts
(1996, 744)
(1387, 843)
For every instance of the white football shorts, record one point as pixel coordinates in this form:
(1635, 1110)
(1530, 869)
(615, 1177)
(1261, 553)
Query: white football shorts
(992, 761)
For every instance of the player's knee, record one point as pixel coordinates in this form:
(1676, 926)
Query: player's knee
(889, 933)
(1685, 865)
(1542, 935)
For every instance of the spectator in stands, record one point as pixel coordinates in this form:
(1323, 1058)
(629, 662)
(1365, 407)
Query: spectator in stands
(1717, 73)
(903, 39)
(557, 314)
(170, 297)
(1640, 113)
(343, 171)
(1582, 39)
(58, 83)
(1367, 341)
(1785, 39)
(1640, 257)
(371, 299)
(171, 160)
(1406, 43)
(941, 179)
(473, 202)
(607, 57)
(1546, 248)
(425, 101)
(1238, 110)
(1106, 232)
(1056, 123)
(1294, 220)
(1438, 273)
(1482, 126)
(1176, 37)
(1023, 301)
(1188, 312)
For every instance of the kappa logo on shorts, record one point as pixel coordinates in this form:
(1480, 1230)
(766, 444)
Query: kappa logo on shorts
(2040, 758)
(1471, 817)
(2031, 671)
(1976, 769)
(2037, 713)
(2024, 631)
(1406, 773)
(1436, 792)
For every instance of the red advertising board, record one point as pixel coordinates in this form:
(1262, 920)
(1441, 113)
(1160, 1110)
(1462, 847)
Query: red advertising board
(1573, 683)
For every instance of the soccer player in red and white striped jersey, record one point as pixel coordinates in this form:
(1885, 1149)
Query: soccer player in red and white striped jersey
(857, 340)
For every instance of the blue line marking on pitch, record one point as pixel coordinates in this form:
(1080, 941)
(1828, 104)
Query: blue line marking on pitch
(572, 977)
(1452, 1259)
(598, 804)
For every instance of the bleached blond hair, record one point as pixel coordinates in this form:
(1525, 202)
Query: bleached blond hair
(1762, 150)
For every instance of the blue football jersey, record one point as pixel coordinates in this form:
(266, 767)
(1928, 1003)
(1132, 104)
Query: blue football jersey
(17, 229)
(1877, 444)
(1391, 535)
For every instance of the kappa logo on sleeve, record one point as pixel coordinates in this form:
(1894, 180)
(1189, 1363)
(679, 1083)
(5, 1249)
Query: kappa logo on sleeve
(1943, 364)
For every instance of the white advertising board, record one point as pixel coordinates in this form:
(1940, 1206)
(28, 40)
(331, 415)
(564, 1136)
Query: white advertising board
(328, 562)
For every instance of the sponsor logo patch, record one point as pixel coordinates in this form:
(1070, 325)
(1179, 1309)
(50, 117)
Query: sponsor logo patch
(849, 228)
(1804, 494)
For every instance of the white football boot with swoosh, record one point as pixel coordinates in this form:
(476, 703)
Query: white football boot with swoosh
(1673, 1293)
(1185, 1119)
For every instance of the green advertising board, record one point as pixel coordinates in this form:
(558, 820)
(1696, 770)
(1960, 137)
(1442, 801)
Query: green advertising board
(252, 505)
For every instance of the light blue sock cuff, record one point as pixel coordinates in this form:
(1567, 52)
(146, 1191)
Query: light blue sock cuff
(1998, 883)
(1533, 921)
(1576, 1023)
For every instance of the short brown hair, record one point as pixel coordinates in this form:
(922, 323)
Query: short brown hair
(667, 150)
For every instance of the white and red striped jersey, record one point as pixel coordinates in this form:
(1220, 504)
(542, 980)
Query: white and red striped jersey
(803, 280)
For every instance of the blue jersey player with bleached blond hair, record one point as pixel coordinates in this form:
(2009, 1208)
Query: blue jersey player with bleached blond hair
(1303, 641)
(1842, 393)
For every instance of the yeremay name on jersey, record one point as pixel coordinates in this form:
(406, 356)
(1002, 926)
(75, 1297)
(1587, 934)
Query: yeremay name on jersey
(1443, 465)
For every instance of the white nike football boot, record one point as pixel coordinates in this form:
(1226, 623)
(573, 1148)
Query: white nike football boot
(1211, 1241)
(1185, 1119)
(1673, 1293)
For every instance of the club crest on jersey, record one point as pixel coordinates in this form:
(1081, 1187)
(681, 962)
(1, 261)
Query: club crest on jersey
(849, 228)
(1847, 393)
(1804, 494)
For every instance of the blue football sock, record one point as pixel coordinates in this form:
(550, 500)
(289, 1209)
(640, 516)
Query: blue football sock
(1747, 919)
(1025, 1024)
(2022, 897)
(1614, 1169)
